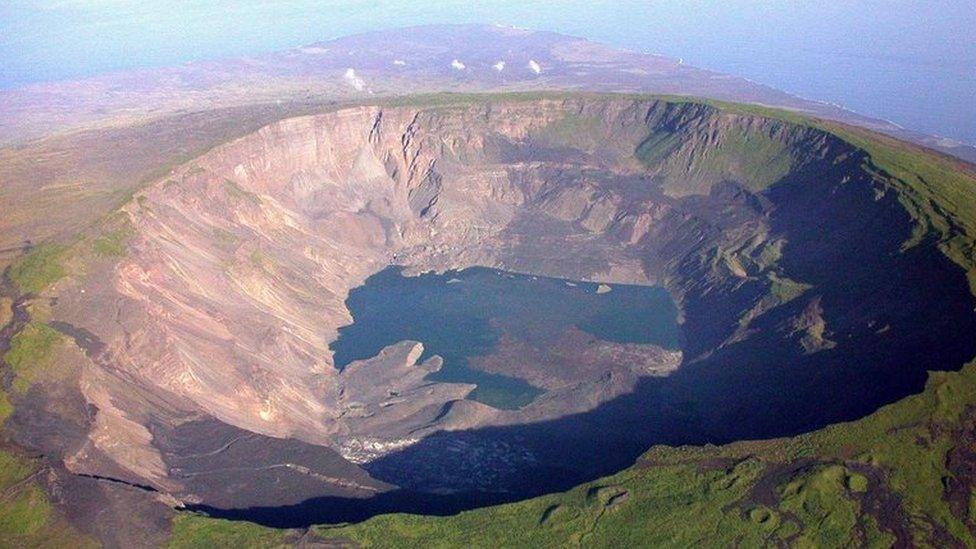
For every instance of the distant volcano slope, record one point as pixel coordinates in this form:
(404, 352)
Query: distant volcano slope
(182, 348)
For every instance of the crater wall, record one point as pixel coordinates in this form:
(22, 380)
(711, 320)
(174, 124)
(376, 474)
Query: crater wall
(785, 249)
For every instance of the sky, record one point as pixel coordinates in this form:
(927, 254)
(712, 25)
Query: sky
(911, 62)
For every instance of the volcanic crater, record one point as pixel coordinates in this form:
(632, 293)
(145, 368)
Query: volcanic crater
(206, 351)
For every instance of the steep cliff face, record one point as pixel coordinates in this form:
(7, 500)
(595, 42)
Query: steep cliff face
(236, 267)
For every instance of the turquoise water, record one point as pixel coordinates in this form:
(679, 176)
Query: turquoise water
(462, 314)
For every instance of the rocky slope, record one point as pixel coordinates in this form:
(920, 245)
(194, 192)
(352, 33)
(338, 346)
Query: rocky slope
(194, 328)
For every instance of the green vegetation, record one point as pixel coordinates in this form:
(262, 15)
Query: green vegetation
(6, 310)
(39, 268)
(262, 261)
(768, 519)
(781, 290)
(257, 258)
(657, 146)
(6, 408)
(27, 518)
(12, 470)
(237, 193)
(818, 501)
(857, 482)
(936, 190)
(579, 131)
(224, 237)
(112, 244)
(197, 531)
(770, 254)
(143, 202)
(784, 290)
(26, 514)
(691, 160)
(30, 355)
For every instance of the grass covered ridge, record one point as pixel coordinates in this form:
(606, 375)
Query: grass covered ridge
(27, 517)
(31, 353)
(192, 531)
(39, 268)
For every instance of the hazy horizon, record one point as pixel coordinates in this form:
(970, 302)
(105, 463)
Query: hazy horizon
(881, 59)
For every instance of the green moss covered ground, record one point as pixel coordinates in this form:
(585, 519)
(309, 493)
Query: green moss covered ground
(37, 270)
(27, 517)
(30, 356)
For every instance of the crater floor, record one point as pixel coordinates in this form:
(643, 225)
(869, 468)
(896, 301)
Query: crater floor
(513, 336)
